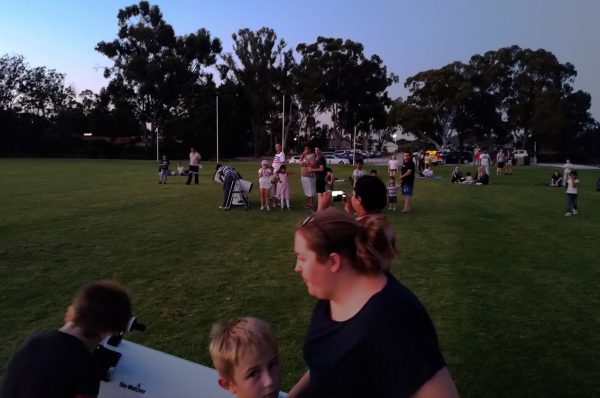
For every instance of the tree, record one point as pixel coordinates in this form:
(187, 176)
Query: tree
(13, 72)
(337, 78)
(258, 69)
(444, 93)
(44, 93)
(414, 120)
(153, 68)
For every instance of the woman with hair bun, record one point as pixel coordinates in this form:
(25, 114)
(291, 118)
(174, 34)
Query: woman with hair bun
(369, 335)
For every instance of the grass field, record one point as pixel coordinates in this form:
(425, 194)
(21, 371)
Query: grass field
(512, 285)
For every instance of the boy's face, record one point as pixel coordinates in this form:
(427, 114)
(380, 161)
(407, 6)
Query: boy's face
(257, 375)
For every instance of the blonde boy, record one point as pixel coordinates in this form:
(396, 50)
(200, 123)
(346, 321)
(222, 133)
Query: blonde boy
(244, 352)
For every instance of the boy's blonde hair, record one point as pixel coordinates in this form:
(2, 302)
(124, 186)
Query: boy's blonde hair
(229, 340)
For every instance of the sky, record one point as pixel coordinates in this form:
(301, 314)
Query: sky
(409, 35)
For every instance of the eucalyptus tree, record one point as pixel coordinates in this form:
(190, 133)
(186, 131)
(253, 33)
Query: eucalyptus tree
(533, 95)
(258, 66)
(13, 72)
(44, 92)
(153, 68)
(444, 93)
(336, 78)
(415, 120)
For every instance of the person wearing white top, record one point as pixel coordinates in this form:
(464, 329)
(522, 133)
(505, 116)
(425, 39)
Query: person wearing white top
(278, 159)
(567, 167)
(572, 182)
(485, 160)
(392, 166)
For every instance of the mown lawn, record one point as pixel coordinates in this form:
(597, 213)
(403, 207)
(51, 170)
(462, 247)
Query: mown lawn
(511, 284)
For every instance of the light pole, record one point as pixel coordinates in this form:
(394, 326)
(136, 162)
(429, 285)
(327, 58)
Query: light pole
(217, 118)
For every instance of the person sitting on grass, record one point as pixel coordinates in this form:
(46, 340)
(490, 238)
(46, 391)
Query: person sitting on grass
(456, 177)
(428, 172)
(244, 352)
(556, 179)
(482, 178)
(59, 363)
(468, 178)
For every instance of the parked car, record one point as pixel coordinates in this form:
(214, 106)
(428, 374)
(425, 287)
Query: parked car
(294, 159)
(332, 159)
(458, 157)
(442, 152)
(520, 153)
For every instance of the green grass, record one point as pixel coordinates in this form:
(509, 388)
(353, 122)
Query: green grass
(511, 284)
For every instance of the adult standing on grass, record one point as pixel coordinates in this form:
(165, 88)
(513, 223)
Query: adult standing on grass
(509, 163)
(485, 160)
(307, 178)
(369, 335)
(59, 363)
(407, 181)
(229, 176)
(278, 161)
(320, 174)
(194, 166)
(500, 161)
(367, 202)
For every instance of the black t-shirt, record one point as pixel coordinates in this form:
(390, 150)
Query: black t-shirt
(388, 349)
(51, 365)
(408, 180)
(321, 161)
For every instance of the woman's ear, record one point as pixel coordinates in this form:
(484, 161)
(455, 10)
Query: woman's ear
(335, 262)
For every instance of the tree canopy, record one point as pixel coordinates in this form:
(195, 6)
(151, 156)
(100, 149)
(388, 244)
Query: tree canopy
(331, 88)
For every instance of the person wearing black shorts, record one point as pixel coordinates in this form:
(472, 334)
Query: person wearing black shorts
(319, 170)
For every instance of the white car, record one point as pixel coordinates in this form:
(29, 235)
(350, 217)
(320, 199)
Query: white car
(332, 159)
(294, 159)
(520, 153)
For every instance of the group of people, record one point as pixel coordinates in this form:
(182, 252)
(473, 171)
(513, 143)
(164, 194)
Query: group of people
(368, 336)
(193, 169)
(481, 177)
(504, 161)
(401, 176)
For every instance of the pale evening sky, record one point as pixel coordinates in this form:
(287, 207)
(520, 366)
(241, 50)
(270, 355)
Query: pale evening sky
(409, 35)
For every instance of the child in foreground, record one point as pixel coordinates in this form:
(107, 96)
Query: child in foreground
(244, 352)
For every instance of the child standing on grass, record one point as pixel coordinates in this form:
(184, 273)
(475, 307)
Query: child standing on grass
(392, 189)
(572, 182)
(244, 351)
(163, 170)
(328, 179)
(358, 172)
(284, 187)
(264, 183)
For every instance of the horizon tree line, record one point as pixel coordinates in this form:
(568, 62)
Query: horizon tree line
(165, 81)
